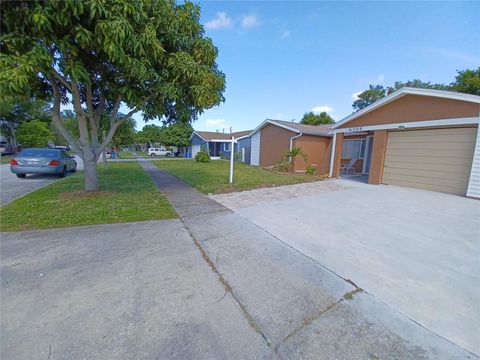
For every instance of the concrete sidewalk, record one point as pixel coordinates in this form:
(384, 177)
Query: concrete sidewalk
(120, 291)
(298, 307)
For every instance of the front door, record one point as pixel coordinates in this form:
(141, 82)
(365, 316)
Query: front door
(368, 155)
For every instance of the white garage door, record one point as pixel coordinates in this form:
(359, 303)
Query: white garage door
(255, 151)
(438, 159)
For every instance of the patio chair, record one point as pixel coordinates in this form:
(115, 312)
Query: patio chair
(348, 168)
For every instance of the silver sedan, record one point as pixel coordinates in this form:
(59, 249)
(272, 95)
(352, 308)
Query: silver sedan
(42, 161)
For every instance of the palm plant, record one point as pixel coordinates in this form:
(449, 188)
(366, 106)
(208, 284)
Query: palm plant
(293, 153)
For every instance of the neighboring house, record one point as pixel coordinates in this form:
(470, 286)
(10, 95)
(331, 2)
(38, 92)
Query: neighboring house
(218, 144)
(244, 147)
(273, 138)
(419, 138)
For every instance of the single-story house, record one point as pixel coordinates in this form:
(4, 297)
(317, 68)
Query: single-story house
(419, 138)
(218, 144)
(272, 138)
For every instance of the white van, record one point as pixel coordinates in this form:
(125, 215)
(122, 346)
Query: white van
(159, 152)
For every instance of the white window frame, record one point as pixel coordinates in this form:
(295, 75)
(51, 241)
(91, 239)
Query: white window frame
(360, 155)
(225, 145)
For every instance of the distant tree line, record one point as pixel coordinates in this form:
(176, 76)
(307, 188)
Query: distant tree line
(466, 81)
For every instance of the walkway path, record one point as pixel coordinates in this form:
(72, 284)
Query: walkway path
(298, 307)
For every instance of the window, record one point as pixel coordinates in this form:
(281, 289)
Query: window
(354, 149)
(226, 146)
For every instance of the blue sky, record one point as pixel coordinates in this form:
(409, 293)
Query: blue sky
(282, 59)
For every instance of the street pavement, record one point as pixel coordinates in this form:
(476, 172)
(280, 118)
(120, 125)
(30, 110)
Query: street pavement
(12, 187)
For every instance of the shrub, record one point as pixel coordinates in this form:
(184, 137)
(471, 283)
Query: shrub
(202, 156)
(310, 170)
(237, 156)
(281, 166)
(34, 134)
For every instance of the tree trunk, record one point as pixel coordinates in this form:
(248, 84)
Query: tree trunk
(91, 173)
(104, 157)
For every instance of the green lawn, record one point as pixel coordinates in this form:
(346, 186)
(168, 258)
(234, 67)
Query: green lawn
(127, 194)
(5, 159)
(212, 177)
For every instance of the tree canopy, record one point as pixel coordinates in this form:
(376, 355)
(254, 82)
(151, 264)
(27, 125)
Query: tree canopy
(148, 56)
(468, 81)
(310, 118)
(14, 111)
(176, 135)
(34, 133)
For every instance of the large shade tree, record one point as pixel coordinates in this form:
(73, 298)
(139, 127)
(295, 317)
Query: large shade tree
(310, 118)
(176, 135)
(148, 56)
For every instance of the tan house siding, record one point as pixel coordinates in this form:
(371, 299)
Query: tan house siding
(317, 149)
(274, 141)
(411, 108)
(380, 138)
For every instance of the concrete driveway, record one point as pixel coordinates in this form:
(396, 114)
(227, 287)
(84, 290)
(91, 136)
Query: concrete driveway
(415, 250)
(13, 187)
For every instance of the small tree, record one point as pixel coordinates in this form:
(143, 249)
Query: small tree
(125, 134)
(176, 135)
(15, 110)
(310, 118)
(293, 153)
(34, 133)
(369, 96)
(467, 81)
(148, 56)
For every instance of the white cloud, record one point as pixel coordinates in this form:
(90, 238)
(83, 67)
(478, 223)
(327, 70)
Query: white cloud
(249, 21)
(285, 34)
(322, 108)
(380, 79)
(355, 95)
(221, 21)
(215, 123)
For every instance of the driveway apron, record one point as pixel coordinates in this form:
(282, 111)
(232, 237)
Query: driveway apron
(299, 308)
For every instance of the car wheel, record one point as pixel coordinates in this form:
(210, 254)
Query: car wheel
(64, 172)
(152, 154)
(74, 168)
(21, 176)
(168, 154)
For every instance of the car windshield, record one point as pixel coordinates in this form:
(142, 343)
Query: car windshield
(38, 153)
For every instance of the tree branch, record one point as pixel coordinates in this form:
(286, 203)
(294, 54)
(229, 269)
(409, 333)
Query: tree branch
(82, 123)
(57, 120)
(111, 132)
(91, 114)
(62, 79)
(113, 115)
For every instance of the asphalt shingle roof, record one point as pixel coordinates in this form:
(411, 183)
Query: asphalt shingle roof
(210, 135)
(320, 130)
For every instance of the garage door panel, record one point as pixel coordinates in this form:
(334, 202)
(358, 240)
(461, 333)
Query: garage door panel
(457, 145)
(455, 168)
(438, 159)
(432, 174)
(433, 187)
(427, 152)
(428, 160)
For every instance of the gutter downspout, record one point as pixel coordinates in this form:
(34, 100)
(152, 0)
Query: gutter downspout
(291, 145)
(332, 154)
(293, 138)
